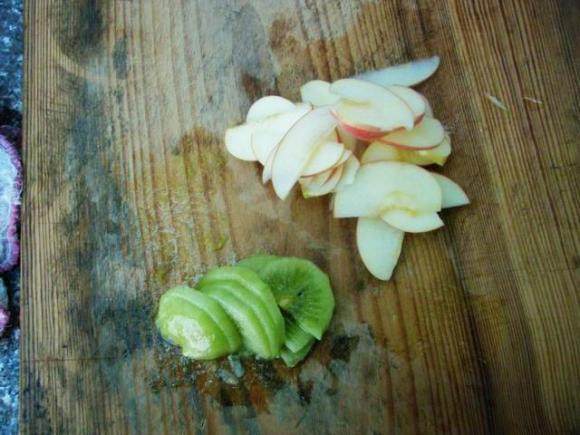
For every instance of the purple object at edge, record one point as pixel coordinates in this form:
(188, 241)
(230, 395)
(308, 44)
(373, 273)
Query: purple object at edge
(10, 190)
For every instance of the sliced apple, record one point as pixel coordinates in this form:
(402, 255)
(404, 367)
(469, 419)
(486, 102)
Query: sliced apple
(347, 139)
(413, 99)
(318, 179)
(270, 131)
(382, 185)
(428, 108)
(439, 154)
(351, 167)
(325, 157)
(268, 106)
(370, 105)
(317, 93)
(452, 194)
(297, 147)
(345, 156)
(408, 74)
(412, 222)
(363, 132)
(379, 245)
(267, 172)
(427, 134)
(381, 152)
(239, 142)
(312, 188)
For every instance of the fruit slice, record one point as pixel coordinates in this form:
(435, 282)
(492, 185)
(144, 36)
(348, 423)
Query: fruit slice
(345, 156)
(408, 74)
(347, 139)
(379, 151)
(239, 305)
(296, 337)
(349, 173)
(291, 359)
(248, 279)
(325, 157)
(412, 222)
(303, 291)
(317, 93)
(428, 108)
(297, 147)
(269, 132)
(452, 194)
(379, 245)
(370, 105)
(267, 172)
(427, 134)
(311, 189)
(268, 106)
(364, 132)
(381, 185)
(197, 324)
(257, 262)
(238, 142)
(413, 99)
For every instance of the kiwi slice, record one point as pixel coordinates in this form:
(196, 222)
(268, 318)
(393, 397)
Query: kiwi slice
(291, 359)
(302, 290)
(251, 318)
(257, 262)
(249, 280)
(197, 324)
(296, 337)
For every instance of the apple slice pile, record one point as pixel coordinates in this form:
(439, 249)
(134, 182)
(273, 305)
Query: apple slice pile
(312, 143)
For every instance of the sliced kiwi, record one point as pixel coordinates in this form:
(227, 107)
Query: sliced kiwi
(250, 317)
(197, 324)
(303, 291)
(296, 337)
(249, 280)
(257, 262)
(291, 359)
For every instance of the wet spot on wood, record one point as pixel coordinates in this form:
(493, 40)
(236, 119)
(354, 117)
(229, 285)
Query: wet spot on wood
(120, 58)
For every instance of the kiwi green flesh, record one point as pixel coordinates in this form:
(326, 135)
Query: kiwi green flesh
(303, 291)
(257, 262)
(239, 304)
(249, 280)
(192, 329)
(291, 359)
(296, 337)
(213, 309)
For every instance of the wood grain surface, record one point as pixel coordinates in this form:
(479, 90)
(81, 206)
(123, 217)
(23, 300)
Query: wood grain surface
(129, 191)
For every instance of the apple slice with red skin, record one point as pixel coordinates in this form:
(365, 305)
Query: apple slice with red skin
(369, 107)
(297, 147)
(379, 151)
(268, 106)
(379, 245)
(412, 222)
(408, 74)
(427, 134)
(317, 93)
(413, 99)
(388, 185)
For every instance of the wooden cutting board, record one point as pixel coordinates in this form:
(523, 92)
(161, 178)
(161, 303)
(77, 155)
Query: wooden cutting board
(129, 191)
